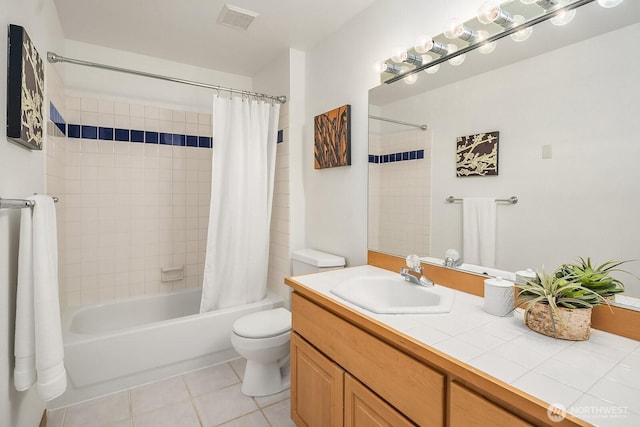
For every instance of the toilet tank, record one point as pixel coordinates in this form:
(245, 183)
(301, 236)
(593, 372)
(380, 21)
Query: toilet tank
(306, 261)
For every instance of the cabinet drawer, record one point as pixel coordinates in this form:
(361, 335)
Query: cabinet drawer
(415, 389)
(468, 409)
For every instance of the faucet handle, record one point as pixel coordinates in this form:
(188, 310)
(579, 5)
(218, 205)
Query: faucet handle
(413, 262)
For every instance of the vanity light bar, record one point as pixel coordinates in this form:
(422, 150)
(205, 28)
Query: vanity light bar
(507, 32)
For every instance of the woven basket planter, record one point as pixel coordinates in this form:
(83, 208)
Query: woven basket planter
(570, 323)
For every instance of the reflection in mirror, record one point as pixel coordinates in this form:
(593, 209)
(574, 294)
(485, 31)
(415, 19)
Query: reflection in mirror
(566, 105)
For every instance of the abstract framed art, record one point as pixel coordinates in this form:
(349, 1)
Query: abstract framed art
(25, 90)
(477, 155)
(332, 138)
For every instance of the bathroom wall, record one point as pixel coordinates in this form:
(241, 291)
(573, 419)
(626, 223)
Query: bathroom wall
(110, 84)
(135, 199)
(21, 173)
(284, 77)
(340, 71)
(274, 79)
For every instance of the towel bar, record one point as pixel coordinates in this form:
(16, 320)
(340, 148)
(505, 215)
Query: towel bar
(511, 200)
(19, 203)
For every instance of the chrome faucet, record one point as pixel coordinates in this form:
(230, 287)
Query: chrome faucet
(450, 262)
(413, 272)
(452, 258)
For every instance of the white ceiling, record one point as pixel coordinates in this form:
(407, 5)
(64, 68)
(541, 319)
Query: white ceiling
(186, 31)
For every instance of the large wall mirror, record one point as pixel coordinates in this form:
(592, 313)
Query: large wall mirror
(566, 104)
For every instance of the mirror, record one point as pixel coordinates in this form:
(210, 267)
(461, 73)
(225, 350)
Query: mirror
(566, 104)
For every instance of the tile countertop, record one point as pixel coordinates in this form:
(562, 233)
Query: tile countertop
(597, 380)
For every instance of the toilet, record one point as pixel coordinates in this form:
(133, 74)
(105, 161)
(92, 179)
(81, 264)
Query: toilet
(263, 337)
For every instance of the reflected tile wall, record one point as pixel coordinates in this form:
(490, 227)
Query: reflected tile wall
(400, 192)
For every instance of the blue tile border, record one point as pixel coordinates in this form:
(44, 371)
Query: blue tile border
(136, 135)
(122, 135)
(72, 130)
(396, 157)
(56, 118)
(105, 134)
(89, 132)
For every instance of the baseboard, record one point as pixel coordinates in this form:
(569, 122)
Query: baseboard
(43, 421)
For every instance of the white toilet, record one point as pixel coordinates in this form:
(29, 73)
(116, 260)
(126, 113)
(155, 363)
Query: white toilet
(263, 337)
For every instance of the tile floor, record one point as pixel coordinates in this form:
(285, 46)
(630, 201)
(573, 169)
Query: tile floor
(204, 398)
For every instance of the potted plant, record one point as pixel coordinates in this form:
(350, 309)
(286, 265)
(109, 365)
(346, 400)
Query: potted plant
(558, 307)
(598, 279)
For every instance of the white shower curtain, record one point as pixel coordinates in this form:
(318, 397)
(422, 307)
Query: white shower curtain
(244, 156)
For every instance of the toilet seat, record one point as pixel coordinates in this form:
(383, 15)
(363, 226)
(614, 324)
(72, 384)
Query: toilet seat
(263, 324)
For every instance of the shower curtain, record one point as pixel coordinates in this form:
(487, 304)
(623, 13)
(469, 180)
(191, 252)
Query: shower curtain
(244, 155)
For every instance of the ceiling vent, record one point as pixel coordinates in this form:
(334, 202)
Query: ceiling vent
(233, 16)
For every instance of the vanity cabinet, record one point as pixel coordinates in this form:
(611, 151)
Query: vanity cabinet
(323, 394)
(348, 370)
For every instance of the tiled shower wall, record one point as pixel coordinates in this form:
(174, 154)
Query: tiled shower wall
(134, 184)
(399, 191)
(279, 259)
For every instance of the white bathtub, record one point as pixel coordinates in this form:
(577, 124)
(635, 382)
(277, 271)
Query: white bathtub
(123, 344)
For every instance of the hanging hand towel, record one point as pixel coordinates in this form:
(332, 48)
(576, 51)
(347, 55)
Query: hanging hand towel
(38, 336)
(479, 231)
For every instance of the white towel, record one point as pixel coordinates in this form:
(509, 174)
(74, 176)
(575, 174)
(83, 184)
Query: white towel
(479, 231)
(39, 350)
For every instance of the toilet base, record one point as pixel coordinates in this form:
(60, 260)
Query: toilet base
(264, 379)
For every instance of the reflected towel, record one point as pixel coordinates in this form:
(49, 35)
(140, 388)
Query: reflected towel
(38, 336)
(479, 231)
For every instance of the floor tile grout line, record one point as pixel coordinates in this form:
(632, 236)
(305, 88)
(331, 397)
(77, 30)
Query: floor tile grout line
(195, 409)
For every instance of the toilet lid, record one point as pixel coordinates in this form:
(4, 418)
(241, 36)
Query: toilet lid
(263, 324)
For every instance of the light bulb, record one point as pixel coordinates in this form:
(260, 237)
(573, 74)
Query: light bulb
(563, 17)
(431, 70)
(458, 59)
(485, 47)
(490, 12)
(399, 55)
(524, 34)
(421, 44)
(410, 79)
(457, 30)
(429, 45)
(609, 3)
(385, 67)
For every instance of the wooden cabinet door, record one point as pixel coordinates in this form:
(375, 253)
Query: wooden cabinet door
(363, 408)
(317, 390)
(469, 409)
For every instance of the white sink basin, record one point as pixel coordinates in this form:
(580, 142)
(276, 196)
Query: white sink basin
(391, 295)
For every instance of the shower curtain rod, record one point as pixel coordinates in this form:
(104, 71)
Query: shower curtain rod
(54, 57)
(384, 119)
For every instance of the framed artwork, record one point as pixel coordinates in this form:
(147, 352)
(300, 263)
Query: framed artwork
(332, 138)
(25, 90)
(477, 155)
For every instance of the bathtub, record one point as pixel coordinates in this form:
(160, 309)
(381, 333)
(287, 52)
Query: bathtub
(122, 344)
